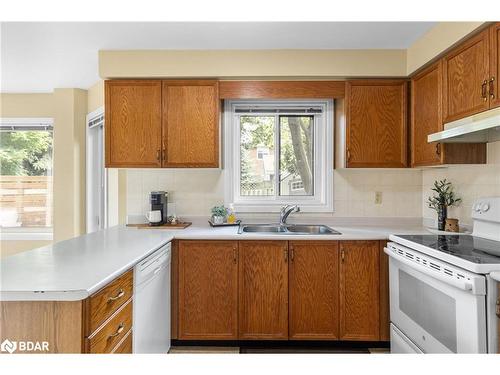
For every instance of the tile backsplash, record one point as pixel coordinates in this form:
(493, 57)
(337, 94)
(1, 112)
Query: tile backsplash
(469, 181)
(403, 191)
(194, 192)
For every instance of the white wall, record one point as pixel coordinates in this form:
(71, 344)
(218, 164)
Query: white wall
(196, 191)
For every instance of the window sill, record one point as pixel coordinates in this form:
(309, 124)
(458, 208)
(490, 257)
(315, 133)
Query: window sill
(26, 236)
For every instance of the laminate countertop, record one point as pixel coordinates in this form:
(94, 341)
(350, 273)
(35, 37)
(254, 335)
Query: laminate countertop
(74, 269)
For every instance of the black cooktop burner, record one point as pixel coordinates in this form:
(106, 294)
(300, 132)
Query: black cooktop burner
(474, 249)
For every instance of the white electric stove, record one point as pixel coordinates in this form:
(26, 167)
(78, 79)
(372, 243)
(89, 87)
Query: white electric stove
(444, 288)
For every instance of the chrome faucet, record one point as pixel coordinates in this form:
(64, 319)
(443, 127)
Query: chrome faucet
(286, 211)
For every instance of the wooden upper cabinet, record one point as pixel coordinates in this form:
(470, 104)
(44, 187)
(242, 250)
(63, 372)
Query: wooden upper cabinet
(313, 290)
(376, 123)
(426, 118)
(493, 86)
(208, 290)
(465, 78)
(133, 123)
(426, 115)
(191, 123)
(263, 290)
(359, 290)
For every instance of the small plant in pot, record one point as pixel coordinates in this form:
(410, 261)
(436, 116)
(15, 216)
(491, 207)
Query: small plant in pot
(443, 198)
(219, 214)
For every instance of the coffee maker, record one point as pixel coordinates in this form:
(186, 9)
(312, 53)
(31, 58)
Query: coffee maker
(159, 201)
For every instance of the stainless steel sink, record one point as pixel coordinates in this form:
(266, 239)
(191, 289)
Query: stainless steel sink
(262, 228)
(286, 229)
(311, 229)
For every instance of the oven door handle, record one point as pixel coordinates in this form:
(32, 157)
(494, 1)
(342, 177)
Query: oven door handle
(460, 284)
(495, 276)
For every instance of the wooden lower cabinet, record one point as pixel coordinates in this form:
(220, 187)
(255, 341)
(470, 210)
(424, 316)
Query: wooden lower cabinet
(102, 323)
(208, 290)
(384, 293)
(359, 290)
(263, 290)
(313, 290)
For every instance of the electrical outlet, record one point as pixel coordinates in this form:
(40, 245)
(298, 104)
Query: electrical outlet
(378, 197)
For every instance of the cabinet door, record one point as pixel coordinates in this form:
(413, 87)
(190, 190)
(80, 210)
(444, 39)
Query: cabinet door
(465, 78)
(376, 123)
(359, 290)
(133, 123)
(426, 115)
(263, 290)
(191, 123)
(208, 290)
(493, 85)
(384, 294)
(313, 290)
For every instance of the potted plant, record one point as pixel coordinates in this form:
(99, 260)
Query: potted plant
(218, 214)
(445, 197)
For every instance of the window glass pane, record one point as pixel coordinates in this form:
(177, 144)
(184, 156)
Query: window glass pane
(296, 155)
(26, 178)
(257, 170)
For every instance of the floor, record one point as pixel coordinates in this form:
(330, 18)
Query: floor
(272, 350)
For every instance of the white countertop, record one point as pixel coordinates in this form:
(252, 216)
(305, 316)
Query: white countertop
(76, 268)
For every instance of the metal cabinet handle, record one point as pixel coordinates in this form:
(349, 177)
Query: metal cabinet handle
(342, 255)
(164, 154)
(438, 148)
(292, 253)
(285, 253)
(235, 255)
(483, 90)
(158, 154)
(120, 329)
(492, 88)
(348, 152)
(120, 294)
(498, 308)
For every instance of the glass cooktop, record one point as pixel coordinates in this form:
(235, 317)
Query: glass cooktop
(473, 249)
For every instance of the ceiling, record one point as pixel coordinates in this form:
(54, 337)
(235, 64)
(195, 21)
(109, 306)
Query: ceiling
(41, 56)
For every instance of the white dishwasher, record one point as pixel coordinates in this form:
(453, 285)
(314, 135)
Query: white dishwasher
(151, 315)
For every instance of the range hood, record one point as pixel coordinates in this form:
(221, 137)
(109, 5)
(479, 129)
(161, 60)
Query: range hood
(480, 128)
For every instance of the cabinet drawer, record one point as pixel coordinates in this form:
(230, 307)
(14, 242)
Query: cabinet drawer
(125, 347)
(101, 305)
(104, 340)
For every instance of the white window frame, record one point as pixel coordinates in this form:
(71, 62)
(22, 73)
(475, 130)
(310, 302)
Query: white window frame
(322, 199)
(28, 234)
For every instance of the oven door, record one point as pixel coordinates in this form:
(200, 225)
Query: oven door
(439, 311)
(493, 312)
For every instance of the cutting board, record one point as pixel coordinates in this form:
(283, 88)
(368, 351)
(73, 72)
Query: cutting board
(163, 226)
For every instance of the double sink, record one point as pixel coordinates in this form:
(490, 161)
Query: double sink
(299, 229)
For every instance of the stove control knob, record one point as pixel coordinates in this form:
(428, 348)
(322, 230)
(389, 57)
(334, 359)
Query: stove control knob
(477, 207)
(485, 207)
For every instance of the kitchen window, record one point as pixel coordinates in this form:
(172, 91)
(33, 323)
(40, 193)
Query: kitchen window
(26, 178)
(278, 152)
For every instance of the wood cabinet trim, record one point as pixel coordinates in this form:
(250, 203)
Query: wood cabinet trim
(281, 89)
